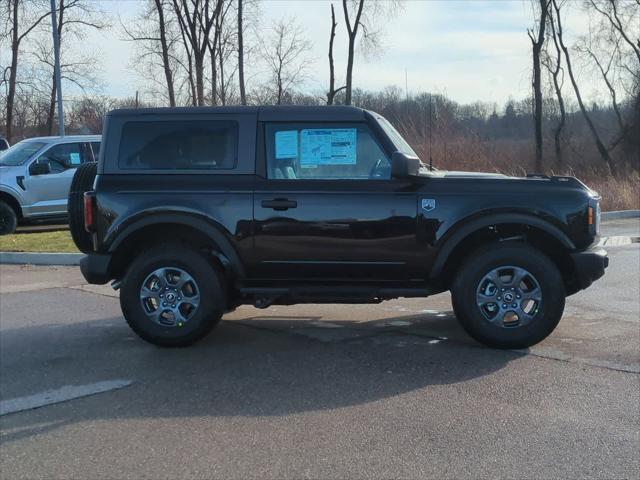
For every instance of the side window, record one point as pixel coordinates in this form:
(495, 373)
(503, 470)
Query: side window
(178, 145)
(325, 152)
(62, 157)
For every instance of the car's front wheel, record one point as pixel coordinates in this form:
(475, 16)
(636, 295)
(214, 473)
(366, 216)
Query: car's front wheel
(172, 296)
(508, 295)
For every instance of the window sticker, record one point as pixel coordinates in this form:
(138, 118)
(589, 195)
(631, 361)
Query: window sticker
(74, 158)
(336, 146)
(287, 144)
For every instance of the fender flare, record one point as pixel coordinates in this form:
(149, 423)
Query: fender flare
(7, 191)
(463, 229)
(227, 254)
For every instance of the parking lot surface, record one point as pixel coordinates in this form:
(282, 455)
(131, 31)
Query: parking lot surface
(316, 391)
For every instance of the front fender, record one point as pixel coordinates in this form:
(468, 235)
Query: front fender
(462, 229)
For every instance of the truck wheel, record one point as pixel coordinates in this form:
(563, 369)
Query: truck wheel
(508, 296)
(8, 219)
(172, 296)
(82, 182)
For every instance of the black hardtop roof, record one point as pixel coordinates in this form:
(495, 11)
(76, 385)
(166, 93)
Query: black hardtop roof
(265, 113)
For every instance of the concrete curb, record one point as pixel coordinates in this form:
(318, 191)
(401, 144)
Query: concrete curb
(620, 214)
(34, 258)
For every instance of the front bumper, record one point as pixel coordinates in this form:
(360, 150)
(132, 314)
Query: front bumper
(589, 266)
(95, 268)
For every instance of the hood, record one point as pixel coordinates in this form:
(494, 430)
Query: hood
(449, 174)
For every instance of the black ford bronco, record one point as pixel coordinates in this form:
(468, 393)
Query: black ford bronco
(195, 211)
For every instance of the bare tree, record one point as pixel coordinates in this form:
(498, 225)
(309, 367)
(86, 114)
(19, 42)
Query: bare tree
(74, 18)
(610, 10)
(554, 66)
(366, 16)
(196, 19)
(164, 52)
(157, 36)
(332, 75)
(610, 48)
(243, 94)
(352, 32)
(285, 54)
(221, 45)
(537, 43)
(21, 23)
(604, 153)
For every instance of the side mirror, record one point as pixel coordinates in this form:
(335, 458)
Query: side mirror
(403, 166)
(40, 168)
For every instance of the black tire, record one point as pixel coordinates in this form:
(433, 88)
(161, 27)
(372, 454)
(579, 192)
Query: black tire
(499, 333)
(208, 283)
(82, 182)
(8, 219)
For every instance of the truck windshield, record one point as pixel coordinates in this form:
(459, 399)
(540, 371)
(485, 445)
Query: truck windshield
(395, 137)
(19, 153)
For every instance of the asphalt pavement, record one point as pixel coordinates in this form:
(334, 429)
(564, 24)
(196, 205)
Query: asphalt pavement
(316, 391)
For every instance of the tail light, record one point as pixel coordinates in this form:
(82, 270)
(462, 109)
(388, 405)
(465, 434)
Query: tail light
(89, 211)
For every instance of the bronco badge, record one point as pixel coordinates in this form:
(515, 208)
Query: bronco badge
(428, 204)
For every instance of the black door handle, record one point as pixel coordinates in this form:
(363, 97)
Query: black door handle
(279, 204)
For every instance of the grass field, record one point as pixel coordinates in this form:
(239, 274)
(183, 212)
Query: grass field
(38, 242)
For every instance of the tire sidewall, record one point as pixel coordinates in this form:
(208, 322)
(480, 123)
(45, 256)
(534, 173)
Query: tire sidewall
(532, 260)
(82, 182)
(203, 273)
(8, 219)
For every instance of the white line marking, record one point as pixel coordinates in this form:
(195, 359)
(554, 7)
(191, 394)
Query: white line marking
(63, 394)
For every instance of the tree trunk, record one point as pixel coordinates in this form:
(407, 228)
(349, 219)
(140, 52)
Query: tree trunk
(537, 44)
(13, 70)
(54, 90)
(332, 77)
(199, 67)
(218, 38)
(168, 75)
(214, 76)
(352, 30)
(243, 95)
(52, 106)
(557, 131)
(347, 98)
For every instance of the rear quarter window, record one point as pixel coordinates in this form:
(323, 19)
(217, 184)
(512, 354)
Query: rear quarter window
(179, 145)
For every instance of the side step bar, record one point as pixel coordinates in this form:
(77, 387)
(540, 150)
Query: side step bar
(264, 297)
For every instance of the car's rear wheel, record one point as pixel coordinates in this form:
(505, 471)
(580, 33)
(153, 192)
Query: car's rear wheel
(508, 295)
(172, 296)
(8, 219)
(82, 182)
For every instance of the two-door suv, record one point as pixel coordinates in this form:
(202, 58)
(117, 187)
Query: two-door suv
(194, 211)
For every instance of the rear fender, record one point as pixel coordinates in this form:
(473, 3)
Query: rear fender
(227, 253)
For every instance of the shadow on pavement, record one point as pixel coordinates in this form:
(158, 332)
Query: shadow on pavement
(259, 366)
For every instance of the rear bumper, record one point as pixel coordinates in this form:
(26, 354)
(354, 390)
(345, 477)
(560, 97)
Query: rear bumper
(589, 266)
(95, 268)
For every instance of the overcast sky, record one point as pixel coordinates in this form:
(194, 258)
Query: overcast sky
(467, 49)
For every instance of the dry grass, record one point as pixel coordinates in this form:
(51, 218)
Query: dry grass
(514, 157)
(38, 242)
(618, 193)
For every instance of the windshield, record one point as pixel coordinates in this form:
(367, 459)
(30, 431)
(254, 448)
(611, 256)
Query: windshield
(19, 153)
(396, 138)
